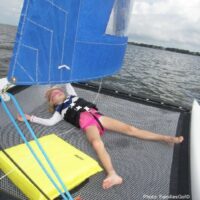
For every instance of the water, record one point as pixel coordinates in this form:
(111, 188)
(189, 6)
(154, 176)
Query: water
(7, 36)
(159, 74)
(153, 73)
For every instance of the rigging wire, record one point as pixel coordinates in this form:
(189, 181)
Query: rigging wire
(99, 91)
(7, 174)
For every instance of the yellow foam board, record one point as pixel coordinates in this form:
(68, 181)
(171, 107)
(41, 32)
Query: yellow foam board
(72, 165)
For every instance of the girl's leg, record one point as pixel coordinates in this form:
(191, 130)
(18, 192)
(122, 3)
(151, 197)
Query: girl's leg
(118, 126)
(94, 138)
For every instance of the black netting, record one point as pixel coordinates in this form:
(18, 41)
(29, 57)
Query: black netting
(144, 165)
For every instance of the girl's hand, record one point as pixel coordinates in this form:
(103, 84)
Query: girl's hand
(19, 117)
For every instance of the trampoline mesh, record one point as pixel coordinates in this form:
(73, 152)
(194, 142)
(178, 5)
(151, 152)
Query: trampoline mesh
(144, 165)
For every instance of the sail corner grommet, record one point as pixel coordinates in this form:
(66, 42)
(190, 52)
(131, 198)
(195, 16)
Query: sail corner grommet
(13, 79)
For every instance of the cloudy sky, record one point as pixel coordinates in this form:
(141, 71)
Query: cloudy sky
(169, 23)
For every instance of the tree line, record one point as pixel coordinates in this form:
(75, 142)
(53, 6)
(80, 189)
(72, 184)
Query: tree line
(166, 48)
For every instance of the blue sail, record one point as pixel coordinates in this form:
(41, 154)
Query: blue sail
(61, 41)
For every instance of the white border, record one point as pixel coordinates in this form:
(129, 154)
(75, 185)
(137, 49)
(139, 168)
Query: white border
(194, 151)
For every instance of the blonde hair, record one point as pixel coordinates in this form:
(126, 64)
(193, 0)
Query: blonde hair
(51, 106)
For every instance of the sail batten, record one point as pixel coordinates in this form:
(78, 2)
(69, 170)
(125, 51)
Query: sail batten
(65, 41)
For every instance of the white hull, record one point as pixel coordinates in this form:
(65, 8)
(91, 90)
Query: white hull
(194, 151)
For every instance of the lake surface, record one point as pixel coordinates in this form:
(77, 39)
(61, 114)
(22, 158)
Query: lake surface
(153, 73)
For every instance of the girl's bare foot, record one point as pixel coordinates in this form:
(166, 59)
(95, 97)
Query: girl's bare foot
(174, 140)
(111, 180)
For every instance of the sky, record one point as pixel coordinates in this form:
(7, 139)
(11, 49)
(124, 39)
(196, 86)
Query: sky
(168, 23)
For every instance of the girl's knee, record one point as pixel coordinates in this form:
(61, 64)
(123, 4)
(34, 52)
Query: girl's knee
(130, 129)
(97, 144)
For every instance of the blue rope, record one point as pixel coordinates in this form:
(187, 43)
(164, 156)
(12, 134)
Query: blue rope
(39, 146)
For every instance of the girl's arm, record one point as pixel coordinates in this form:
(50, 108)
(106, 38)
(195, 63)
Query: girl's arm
(46, 122)
(70, 90)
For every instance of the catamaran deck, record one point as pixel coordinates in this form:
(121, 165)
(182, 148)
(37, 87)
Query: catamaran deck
(148, 168)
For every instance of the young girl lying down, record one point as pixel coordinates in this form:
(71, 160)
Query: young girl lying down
(85, 115)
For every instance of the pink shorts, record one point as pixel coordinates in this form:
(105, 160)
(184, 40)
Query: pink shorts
(87, 119)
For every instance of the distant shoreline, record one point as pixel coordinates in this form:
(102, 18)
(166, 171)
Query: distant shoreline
(166, 48)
